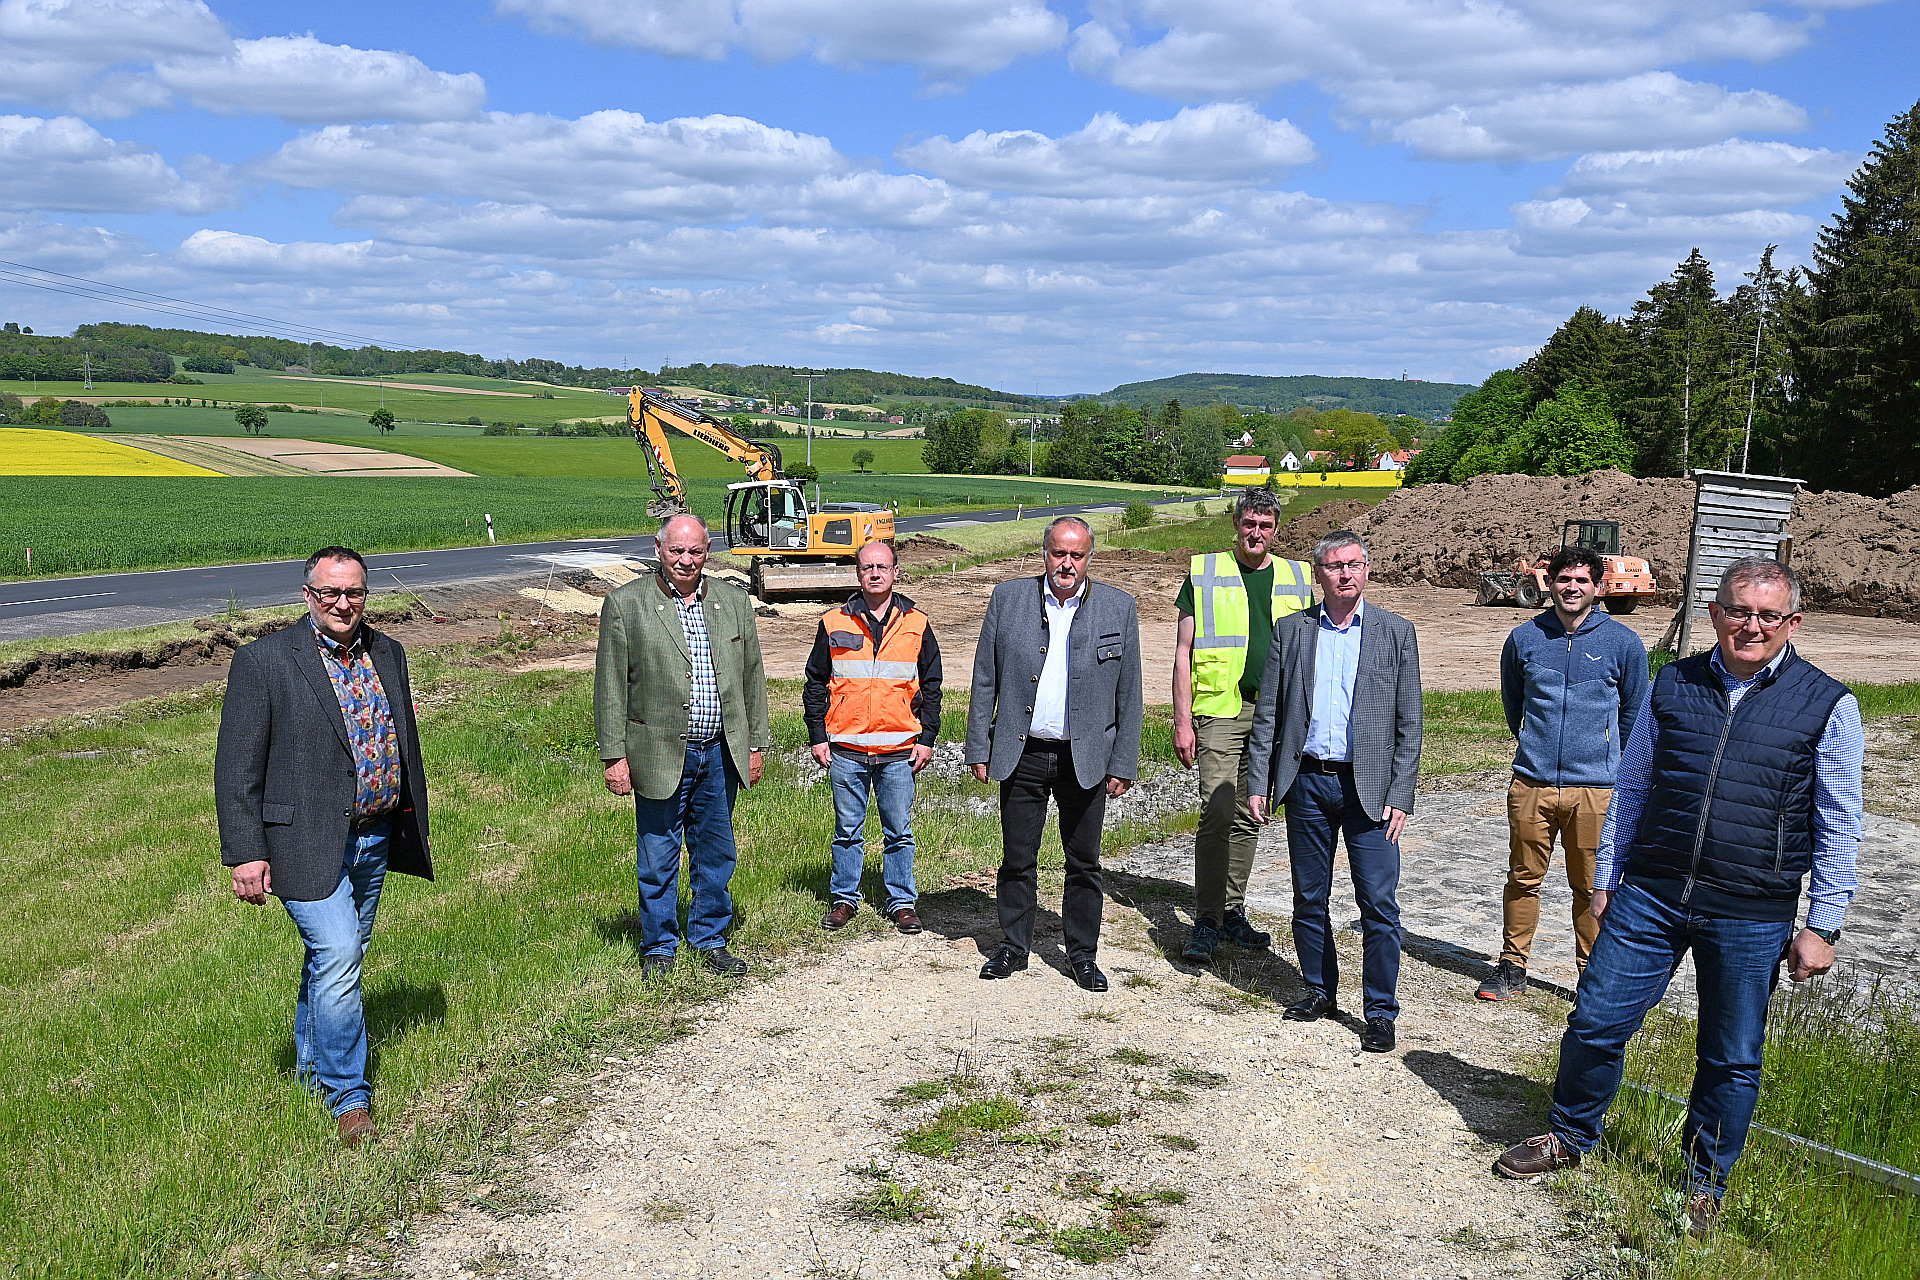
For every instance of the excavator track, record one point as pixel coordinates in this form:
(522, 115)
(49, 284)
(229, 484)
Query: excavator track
(784, 581)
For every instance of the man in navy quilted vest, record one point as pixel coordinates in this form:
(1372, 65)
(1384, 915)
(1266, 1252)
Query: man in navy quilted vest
(1741, 776)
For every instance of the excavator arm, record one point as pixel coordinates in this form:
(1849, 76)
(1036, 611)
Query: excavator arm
(650, 415)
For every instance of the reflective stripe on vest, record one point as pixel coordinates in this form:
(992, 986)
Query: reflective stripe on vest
(1221, 621)
(870, 696)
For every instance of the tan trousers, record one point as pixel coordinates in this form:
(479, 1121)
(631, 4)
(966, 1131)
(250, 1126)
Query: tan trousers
(1535, 812)
(1223, 849)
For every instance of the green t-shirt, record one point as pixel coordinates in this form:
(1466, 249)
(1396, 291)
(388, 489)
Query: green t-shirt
(1259, 585)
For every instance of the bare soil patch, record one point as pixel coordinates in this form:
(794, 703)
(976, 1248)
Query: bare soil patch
(1856, 554)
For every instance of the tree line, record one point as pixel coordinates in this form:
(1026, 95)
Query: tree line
(1812, 372)
(1167, 445)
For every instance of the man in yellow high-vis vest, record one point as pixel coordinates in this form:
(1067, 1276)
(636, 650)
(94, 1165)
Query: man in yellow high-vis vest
(1228, 606)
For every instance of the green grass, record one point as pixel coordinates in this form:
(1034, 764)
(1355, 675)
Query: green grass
(1464, 733)
(604, 456)
(101, 524)
(107, 524)
(1839, 1070)
(256, 386)
(148, 1122)
(949, 1131)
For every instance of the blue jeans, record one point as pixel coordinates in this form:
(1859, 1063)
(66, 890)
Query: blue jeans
(329, 1021)
(698, 814)
(1737, 962)
(1321, 806)
(889, 779)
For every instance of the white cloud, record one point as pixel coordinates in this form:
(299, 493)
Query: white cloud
(1462, 79)
(948, 40)
(1727, 177)
(608, 164)
(299, 78)
(1212, 146)
(108, 58)
(1652, 109)
(67, 165)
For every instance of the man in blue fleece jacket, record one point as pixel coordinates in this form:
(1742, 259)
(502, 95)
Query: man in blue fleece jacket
(1572, 680)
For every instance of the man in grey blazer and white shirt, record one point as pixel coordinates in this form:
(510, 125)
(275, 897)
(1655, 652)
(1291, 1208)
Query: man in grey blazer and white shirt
(1336, 738)
(1055, 712)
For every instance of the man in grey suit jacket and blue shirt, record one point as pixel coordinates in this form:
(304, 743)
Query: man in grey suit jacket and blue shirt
(319, 792)
(1055, 712)
(1336, 738)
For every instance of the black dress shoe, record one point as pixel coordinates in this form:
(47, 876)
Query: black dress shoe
(1088, 975)
(724, 963)
(1006, 961)
(1378, 1037)
(1311, 1009)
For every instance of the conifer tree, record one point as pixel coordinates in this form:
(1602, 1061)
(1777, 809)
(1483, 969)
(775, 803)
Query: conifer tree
(1855, 345)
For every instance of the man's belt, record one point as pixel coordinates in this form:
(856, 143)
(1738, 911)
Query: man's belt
(366, 822)
(1314, 764)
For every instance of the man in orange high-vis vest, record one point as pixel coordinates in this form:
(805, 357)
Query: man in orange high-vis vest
(872, 703)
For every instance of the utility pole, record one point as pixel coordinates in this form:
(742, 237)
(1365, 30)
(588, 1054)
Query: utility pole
(809, 375)
(86, 363)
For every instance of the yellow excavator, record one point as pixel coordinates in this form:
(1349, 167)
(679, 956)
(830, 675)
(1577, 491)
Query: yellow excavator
(794, 549)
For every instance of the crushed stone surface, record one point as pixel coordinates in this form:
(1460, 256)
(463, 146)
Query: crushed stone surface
(740, 1150)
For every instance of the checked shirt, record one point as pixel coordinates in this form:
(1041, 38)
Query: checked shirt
(703, 716)
(369, 721)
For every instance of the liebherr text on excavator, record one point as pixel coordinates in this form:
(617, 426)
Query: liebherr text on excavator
(794, 549)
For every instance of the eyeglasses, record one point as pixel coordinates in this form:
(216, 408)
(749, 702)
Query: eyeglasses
(333, 595)
(1342, 566)
(1739, 616)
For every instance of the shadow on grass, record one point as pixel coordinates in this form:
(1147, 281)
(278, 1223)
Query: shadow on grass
(391, 1012)
(1502, 1107)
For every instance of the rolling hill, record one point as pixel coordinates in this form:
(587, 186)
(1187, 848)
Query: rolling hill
(1384, 396)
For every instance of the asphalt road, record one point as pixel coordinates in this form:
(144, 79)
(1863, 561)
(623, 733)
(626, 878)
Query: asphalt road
(45, 607)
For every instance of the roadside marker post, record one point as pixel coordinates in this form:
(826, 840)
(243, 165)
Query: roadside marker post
(29, 562)
(490, 539)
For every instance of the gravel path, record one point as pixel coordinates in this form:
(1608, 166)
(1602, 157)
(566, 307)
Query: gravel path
(1179, 1108)
(737, 1151)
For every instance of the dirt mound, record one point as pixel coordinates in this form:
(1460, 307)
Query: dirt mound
(1859, 555)
(1855, 554)
(1297, 536)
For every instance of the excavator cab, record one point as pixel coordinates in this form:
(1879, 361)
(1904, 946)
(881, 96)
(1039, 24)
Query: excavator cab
(766, 515)
(1599, 536)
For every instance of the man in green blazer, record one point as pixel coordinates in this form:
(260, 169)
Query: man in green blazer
(680, 711)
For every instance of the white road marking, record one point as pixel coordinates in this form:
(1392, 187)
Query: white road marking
(91, 595)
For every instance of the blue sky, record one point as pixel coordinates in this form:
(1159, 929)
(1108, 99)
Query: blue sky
(1031, 194)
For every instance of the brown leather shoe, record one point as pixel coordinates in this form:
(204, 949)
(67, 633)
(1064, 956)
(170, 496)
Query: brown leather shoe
(1703, 1215)
(356, 1127)
(1536, 1156)
(906, 921)
(838, 917)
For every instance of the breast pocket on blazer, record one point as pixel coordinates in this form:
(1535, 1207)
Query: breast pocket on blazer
(1109, 648)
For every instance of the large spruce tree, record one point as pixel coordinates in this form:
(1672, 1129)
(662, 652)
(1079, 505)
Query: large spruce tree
(1855, 345)
(1678, 393)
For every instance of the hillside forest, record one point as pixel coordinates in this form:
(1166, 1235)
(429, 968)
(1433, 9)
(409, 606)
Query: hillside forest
(1812, 372)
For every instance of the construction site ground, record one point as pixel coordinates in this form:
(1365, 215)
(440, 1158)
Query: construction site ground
(1459, 641)
(1237, 1143)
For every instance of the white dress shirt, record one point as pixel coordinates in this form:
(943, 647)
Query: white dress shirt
(1050, 699)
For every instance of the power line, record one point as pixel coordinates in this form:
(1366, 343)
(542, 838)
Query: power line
(143, 300)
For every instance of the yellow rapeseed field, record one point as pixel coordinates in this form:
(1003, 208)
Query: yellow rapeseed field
(29, 451)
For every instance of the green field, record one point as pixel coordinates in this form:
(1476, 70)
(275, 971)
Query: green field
(192, 420)
(148, 1122)
(100, 524)
(618, 456)
(519, 404)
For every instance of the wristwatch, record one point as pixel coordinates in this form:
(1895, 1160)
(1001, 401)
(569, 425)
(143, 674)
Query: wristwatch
(1829, 936)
